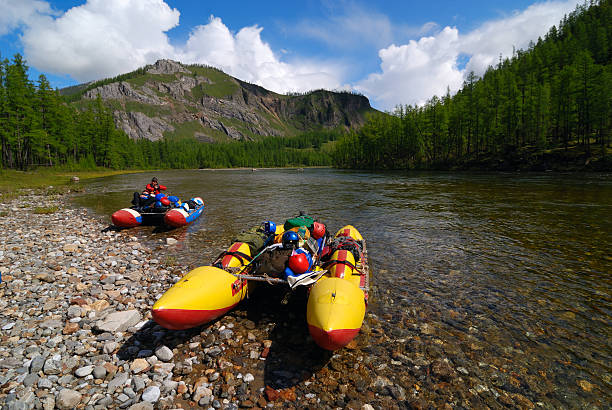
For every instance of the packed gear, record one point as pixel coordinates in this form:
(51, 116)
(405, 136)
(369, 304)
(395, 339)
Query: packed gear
(346, 243)
(302, 220)
(255, 237)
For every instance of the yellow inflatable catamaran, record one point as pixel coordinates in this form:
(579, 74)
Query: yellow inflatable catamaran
(337, 277)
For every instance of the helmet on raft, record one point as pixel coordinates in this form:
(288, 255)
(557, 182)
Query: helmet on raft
(290, 239)
(269, 227)
(165, 201)
(318, 230)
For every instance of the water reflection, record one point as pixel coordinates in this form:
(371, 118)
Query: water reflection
(507, 271)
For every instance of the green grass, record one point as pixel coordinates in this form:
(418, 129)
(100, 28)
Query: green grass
(44, 210)
(222, 84)
(184, 129)
(3, 214)
(147, 109)
(52, 180)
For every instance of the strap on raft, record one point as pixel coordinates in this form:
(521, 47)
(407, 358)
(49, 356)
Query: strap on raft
(244, 258)
(327, 265)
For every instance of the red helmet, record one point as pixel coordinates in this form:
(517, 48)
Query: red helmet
(318, 230)
(298, 263)
(165, 201)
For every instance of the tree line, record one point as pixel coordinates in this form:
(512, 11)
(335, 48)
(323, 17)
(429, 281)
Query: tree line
(555, 94)
(38, 128)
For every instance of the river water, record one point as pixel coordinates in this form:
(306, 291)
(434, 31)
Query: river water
(508, 276)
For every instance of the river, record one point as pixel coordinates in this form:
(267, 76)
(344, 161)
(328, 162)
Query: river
(506, 275)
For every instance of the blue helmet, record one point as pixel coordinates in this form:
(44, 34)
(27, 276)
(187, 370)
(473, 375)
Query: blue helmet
(269, 227)
(290, 238)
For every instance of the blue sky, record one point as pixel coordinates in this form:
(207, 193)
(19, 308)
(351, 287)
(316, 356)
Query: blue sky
(394, 52)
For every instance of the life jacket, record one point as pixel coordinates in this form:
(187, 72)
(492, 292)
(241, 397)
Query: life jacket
(150, 188)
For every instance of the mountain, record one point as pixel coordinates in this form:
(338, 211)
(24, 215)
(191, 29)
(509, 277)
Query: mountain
(169, 99)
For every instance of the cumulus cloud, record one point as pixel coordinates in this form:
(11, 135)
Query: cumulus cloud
(413, 72)
(103, 38)
(246, 56)
(15, 13)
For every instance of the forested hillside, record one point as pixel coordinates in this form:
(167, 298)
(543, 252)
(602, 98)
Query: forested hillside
(546, 107)
(38, 128)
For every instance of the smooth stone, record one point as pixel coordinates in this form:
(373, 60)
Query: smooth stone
(99, 372)
(84, 371)
(68, 399)
(119, 321)
(164, 353)
(151, 394)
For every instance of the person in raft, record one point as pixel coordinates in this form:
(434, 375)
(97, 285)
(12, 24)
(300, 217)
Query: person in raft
(147, 197)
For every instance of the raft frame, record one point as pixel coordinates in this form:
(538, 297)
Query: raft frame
(363, 268)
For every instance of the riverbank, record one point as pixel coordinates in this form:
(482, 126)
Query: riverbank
(76, 329)
(48, 180)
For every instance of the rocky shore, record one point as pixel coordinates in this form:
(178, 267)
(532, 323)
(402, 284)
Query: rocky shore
(76, 332)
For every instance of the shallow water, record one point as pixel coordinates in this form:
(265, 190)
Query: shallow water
(508, 274)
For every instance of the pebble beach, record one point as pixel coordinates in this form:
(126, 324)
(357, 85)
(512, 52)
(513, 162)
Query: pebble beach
(76, 329)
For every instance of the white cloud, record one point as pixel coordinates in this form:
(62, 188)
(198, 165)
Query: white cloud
(101, 38)
(15, 13)
(246, 56)
(414, 72)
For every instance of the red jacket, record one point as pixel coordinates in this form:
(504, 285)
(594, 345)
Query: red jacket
(154, 190)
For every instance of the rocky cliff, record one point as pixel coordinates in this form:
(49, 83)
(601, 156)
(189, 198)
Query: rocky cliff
(172, 99)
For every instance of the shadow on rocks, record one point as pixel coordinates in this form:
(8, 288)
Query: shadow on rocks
(143, 343)
(292, 356)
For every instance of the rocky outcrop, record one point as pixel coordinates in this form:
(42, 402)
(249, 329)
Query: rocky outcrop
(122, 91)
(167, 67)
(168, 94)
(137, 125)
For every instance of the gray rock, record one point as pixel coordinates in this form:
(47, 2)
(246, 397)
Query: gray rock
(18, 405)
(68, 399)
(44, 384)
(105, 402)
(164, 353)
(119, 381)
(84, 371)
(30, 380)
(138, 383)
(119, 321)
(123, 397)
(99, 372)
(52, 366)
(74, 311)
(226, 334)
(109, 347)
(151, 394)
(37, 364)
